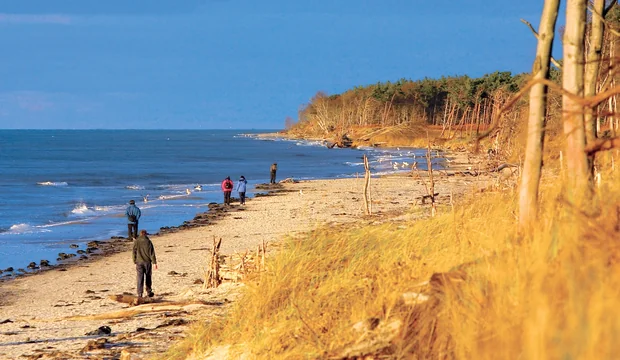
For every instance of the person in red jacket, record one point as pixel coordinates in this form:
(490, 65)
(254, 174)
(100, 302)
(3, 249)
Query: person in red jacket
(227, 188)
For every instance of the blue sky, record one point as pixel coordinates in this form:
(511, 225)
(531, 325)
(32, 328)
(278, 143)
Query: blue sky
(160, 64)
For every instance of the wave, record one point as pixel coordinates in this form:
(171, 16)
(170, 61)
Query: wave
(134, 187)
(82, 210)
(169, 197)
(350, 163)
(52, 183)
(310, 143)
(22, 229)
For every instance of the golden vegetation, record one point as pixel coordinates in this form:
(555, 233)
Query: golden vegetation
(554, 294)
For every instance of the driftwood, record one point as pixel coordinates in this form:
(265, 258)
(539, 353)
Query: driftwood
(146, 308)
(212, 277)
(367, 198)
(132, 299)
(430, 189)
(424, 197)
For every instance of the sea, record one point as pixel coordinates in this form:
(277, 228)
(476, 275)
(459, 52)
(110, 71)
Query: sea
(60, 188)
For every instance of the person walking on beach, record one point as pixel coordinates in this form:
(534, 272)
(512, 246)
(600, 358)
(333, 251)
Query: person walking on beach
(272, 170)
(145, 260)
(227, 188)
(133, 214)
(241, 187)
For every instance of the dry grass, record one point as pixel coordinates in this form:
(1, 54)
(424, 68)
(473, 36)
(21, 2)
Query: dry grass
(552, 294)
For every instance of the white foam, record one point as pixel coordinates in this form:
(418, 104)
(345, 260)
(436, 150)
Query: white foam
(52, 183)
(23, 229)
(350, 163)
(134, 187)
(82, 210)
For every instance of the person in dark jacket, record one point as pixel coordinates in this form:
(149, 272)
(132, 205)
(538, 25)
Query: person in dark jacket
(133, 214)
(145, 260)
(241, 187)
(227, 188)
(272, 170)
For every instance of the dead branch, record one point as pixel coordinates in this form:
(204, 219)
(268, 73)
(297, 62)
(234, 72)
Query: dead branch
(142, 309)
(553, 60)
(586, 102)
(603, 145)
(367, 198)
(213, 279)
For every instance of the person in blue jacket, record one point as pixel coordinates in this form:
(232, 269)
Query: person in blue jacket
(133, 214)
(241, 187)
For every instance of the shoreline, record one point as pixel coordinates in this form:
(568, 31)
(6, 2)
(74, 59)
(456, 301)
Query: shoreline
(76, 251)
(37, 306)
(460, 161)
(116, 244)
(83, 253)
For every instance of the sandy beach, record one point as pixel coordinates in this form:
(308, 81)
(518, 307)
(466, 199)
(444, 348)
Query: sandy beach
(34, 309)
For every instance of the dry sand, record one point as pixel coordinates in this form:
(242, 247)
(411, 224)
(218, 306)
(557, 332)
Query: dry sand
(38, 305)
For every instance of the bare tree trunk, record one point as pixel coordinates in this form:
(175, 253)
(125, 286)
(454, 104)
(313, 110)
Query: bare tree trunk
(612, 100)
(367, 198)
(530, 180)
(572, 81)
(591, 75)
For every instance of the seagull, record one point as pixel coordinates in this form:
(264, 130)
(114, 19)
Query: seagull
(146, 198)
(395, 165)
(187, 191)
(198, 187)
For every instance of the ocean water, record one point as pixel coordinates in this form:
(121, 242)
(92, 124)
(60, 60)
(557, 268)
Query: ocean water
(62, 187)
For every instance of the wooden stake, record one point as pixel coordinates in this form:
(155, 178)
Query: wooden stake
(367, 198)
(213, 279)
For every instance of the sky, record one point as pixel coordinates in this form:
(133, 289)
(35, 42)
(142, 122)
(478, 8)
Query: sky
(240, 64)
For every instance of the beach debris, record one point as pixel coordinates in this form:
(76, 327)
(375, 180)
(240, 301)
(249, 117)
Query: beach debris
(212, 275)
(95, 345)
(288, 181)
(376, 339)
(172, 322)
(174, 273)
(423, 198)
(147, 308)
(102, 330)
(131, 299)
(6, 321)
(367, 193)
